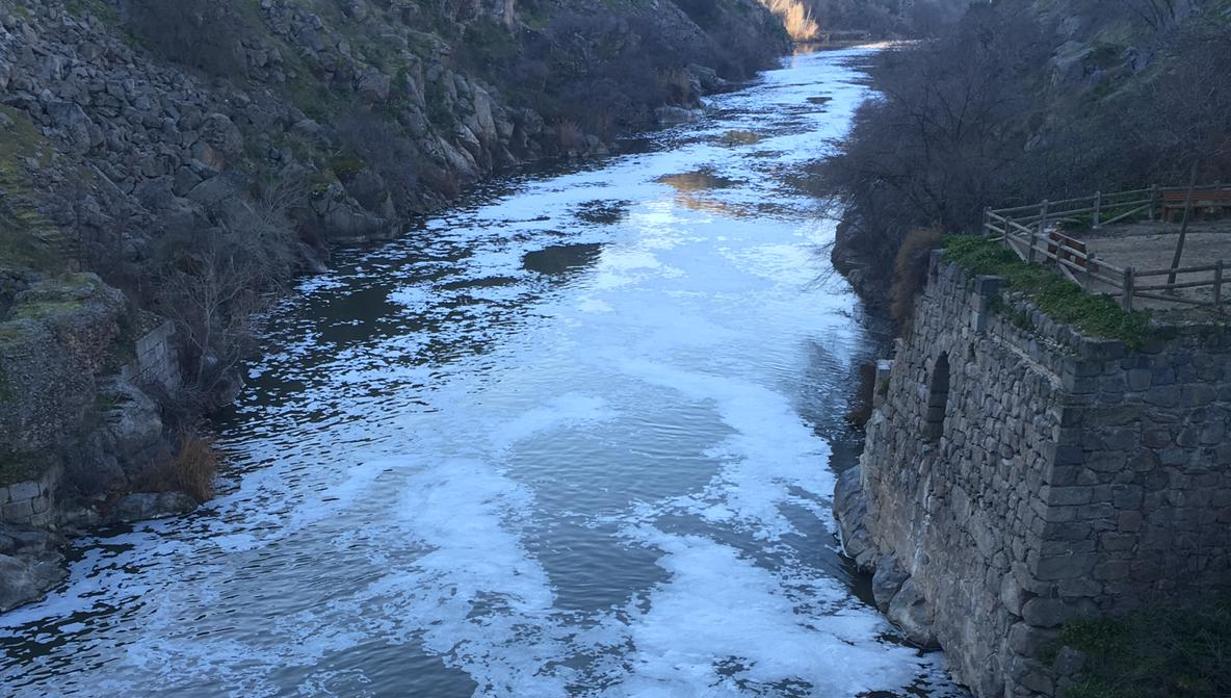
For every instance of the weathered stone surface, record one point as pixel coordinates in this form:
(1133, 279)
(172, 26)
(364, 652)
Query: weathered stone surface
(887, 580)
(913, 615)
(150, 505)
(1041, 476)
(30, 565)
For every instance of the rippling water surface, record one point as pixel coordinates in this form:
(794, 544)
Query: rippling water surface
(572, 439)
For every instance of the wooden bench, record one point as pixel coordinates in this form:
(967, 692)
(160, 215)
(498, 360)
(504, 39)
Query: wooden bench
(1210, 200)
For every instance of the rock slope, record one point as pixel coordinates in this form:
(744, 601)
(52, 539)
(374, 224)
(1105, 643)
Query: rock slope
(165, 166)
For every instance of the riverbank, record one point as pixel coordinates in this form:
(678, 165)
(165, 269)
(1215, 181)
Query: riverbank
(128, 283)
(547, 447)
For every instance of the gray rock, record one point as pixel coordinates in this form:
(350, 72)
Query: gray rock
(913, 615)
(135, 422)
(24, 579)
(141, 506)
(30, 565)
(887, 580)
(670, 116)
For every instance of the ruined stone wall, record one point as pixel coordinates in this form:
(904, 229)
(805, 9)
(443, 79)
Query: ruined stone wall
(30, 503)
(1051, 477)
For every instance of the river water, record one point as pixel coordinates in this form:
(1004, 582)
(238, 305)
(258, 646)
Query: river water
(576, 437)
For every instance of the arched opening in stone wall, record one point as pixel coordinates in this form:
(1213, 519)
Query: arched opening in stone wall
(938, 400)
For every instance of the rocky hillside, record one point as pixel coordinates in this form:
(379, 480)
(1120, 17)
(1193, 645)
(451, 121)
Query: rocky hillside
(164, 166)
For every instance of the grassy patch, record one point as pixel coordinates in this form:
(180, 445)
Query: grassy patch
(1157, 653)
(26, 238)
(1064, 301)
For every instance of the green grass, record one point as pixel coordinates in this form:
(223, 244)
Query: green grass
(1062, 300)
(1156, 653)
(24, 233)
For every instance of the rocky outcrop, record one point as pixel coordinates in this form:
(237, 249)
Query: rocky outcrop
(31, 563)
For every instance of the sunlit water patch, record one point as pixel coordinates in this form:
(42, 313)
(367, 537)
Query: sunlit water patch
(575, 437)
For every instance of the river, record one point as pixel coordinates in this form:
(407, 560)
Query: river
(575, 437)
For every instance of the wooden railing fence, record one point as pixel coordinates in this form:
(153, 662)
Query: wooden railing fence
(1034, 233)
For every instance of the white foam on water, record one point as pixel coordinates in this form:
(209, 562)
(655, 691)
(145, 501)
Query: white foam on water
(589, 304)
(413, 297)
(567, 410)
(387, 480)
(771, 453)
(723, 625)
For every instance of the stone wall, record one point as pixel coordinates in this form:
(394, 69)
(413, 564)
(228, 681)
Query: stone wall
(30, 503)
(155, 361)
(1018, 475)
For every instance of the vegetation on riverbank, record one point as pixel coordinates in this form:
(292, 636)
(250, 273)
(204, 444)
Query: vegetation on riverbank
(1021, 102)
(1061, 299)
(1154, 653)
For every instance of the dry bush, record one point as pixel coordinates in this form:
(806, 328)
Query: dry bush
(860, 410)
(675, 86)
(190, 470)
(796, 17)
(572, 138)
(910, 271)
(194, 466)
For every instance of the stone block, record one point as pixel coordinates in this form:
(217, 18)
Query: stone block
(18, 511)
(1138, 379)
(24, 490)
(1047, 613)
(1059, 567)
(1029, 641)
(1067, 496)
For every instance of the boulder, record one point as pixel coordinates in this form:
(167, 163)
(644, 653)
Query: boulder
(850, 509)
(374, 86)
(30, 565)
(887, 580)
(142, 506)
(134, 421)
(913, 615)
(671, 116)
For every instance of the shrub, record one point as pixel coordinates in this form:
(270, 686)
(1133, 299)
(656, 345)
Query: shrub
(1154, 653)
(368, 140)
(910, 271)
(194, 466)
(191, 469)
(860, 410)
(796, 17)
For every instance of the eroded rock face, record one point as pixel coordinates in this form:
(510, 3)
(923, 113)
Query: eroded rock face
(30, 565)
(141, 506)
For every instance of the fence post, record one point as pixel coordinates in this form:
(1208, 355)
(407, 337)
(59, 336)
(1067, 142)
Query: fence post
(1043, 216)
(1218, 284)
(1098, 208)
(987, 222)
(1034, 242)
(1153, 199)
(1126, 300)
